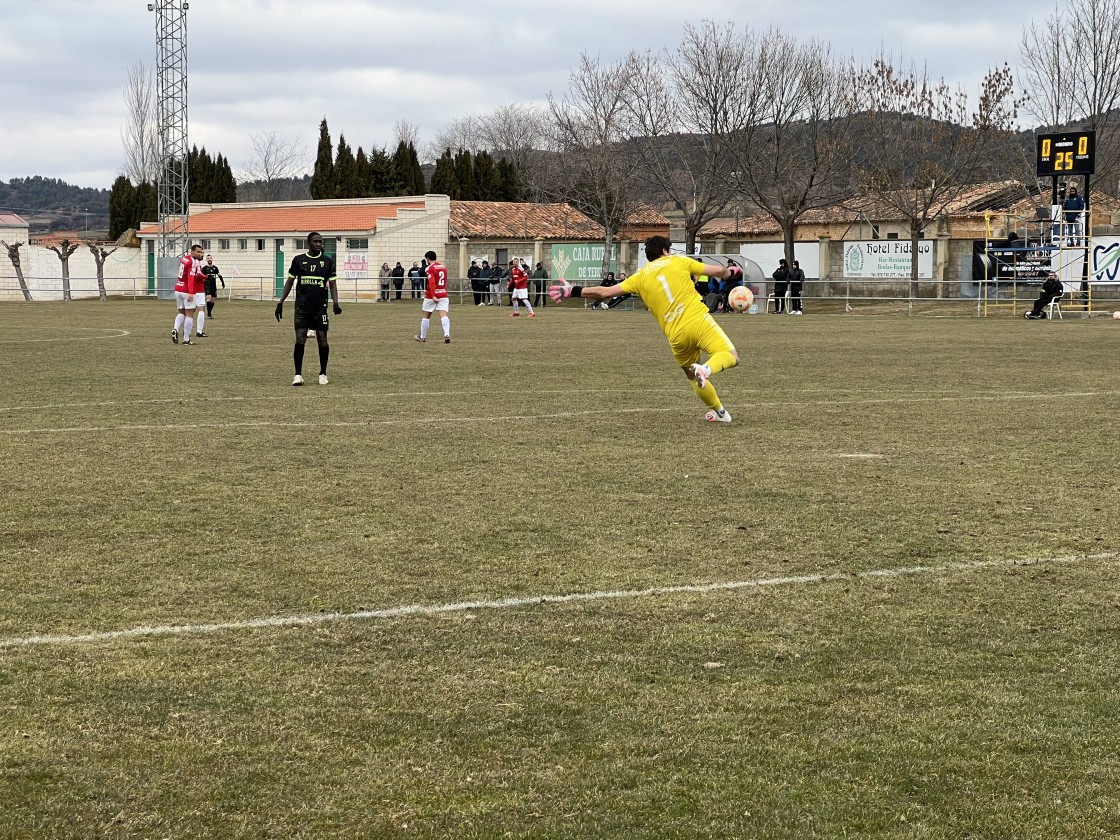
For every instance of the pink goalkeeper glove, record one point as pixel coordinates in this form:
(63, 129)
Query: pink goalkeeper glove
(560, 291)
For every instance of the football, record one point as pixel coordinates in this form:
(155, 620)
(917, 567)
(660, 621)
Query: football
(1116, 314)
(740, 298)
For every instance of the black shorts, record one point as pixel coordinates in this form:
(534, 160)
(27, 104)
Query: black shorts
(211, 286)
(312, 318)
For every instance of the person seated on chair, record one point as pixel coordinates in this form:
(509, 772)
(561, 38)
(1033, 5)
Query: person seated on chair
(1051, 290)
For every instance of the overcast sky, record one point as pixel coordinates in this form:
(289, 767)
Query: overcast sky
(258, 66)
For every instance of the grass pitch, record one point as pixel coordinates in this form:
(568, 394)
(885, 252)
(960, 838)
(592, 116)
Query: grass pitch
(921, 514)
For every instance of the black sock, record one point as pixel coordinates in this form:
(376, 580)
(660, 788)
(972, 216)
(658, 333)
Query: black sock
(324, 354)
(209, 307)
(298, 356)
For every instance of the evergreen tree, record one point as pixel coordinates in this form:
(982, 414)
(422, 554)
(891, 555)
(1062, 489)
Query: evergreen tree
(147, 205)
(409, 175)
(322, 180)
(363, 175)
(345, 172)
(227, 185)
(419, 185)
(445, 180)
(122, 206)
(383, 176)
(464, 170)
(509, 183)
(486, 177)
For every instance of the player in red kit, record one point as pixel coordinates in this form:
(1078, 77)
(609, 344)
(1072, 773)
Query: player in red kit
(435, 299)
(519, 288)
(189, 266)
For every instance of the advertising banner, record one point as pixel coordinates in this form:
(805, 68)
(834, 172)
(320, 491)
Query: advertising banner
(887, 258)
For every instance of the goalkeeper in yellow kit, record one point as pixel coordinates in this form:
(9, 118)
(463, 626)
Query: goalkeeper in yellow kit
(667, 289)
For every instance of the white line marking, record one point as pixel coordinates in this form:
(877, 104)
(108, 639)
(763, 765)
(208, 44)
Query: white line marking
(554, 416)
(857, 455)
(339, 424)
(534, 600)
(116, 334)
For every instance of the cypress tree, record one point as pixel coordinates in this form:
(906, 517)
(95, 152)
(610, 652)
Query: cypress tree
(345, 173)
(122, 206)
(445, 180)
(464, 171)
(322, 180)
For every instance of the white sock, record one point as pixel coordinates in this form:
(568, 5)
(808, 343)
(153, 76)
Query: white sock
(424, 327)
(529, 306)
(187, 327)
(179, 322)
(445, 322)
(201, 319)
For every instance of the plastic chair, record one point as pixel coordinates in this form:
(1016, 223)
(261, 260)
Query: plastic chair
(1054, 307)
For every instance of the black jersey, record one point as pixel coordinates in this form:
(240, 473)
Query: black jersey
(313, 276)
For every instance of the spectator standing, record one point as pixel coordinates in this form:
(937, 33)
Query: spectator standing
(1073, 211)
(540, 287)
(398, 279)
(497, 275)
(484, 277)
(796, 282)
(416, 281)
(781, 286)
(384, 277)
(474, 276)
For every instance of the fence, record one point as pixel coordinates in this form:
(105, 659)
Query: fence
(849, 296)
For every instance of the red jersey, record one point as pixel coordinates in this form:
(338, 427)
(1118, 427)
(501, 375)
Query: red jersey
(437, 282)
(519, 277)
(198, 279)
(184, 282)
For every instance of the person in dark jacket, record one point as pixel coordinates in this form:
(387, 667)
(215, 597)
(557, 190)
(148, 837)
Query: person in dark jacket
(796, 281)
(398, 279)
(1051, 289)
(781, 286)
(540, 287)
(416, 279)
(478, 285)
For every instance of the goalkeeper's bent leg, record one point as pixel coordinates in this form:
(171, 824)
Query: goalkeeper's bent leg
(722, 360)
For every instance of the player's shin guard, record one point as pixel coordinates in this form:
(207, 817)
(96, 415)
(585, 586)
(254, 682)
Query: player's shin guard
(324, 354)
(201, 322)
(179, 319)
(424, 322)
(721, 361)
(707, 395)
(209, 307)
(188, 325)
(297, 357)
(445, 322)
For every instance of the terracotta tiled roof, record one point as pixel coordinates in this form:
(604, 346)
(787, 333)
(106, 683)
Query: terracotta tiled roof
(11, 220)
(295, 218)
(513, 220)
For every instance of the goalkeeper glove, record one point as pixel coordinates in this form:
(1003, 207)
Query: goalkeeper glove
(559, 292)
(337, 309)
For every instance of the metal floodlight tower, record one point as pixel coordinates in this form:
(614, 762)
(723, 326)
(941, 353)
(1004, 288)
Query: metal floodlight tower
(171, 94)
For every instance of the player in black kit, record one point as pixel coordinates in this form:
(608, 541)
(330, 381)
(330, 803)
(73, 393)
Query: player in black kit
(211, 276)
(312, 274)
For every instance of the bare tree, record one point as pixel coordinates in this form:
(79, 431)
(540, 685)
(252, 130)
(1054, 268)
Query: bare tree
(140, 134)
(99, 256)
(275, 164)
(64, 249)
(683, 108)
(460, 133)
(13, 255)
(591, 165)
(790, 146)
(920, 145)
(407, 133)
(1072, 74)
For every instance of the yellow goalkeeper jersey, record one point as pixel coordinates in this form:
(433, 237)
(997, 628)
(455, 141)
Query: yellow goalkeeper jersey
(667, 288)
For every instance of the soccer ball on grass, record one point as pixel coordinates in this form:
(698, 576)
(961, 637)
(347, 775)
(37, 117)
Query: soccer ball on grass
(740, 298)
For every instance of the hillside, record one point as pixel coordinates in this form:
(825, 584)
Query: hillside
(50, 204)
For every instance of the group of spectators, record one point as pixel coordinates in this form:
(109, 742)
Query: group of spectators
(394, 278)
(487, 281)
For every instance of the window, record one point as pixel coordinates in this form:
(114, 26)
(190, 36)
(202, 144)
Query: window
(205, 243)
(223, 244)
(243, 244)
(358, 244)
(279, 244)
(260, 244)
(875, 232)
(892, 236)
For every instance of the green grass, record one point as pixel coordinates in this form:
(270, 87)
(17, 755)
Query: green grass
(148, 485)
